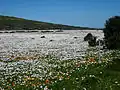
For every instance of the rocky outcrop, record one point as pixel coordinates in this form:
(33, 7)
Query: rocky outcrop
(88, 37)
(42, 36)
(92, 41)
(101, 42)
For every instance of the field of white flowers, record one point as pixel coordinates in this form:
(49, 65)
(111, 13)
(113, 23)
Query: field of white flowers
(65, 45)
(26, 59)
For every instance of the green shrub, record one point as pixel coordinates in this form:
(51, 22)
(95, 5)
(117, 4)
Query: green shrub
(112, 33)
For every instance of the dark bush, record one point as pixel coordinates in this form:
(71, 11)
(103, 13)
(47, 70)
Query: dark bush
(115, 65)
(112, 33)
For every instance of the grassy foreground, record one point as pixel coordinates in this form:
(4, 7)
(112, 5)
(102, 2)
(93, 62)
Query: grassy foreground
(64, 75)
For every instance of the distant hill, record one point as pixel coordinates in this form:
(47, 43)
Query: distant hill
(14, 23)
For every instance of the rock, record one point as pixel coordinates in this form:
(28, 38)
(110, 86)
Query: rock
(42, 36)
(78, 51)
(12, 32)
(92, 41)
(75, 37)
(32, 38)
(51, 40)
(101, 42)
(88, 37)
(104, 47)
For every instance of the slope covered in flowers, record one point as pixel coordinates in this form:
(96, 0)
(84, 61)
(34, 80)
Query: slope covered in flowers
(29, 62)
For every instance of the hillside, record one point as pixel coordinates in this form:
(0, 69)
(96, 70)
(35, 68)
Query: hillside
(14, 23)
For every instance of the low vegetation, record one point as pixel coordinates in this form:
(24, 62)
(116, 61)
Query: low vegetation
(14, 23)
(50, 73)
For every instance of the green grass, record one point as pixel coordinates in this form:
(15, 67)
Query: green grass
(90, 77)
(94, 76)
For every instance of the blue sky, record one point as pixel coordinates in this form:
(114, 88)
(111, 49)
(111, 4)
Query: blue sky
(87, 13)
